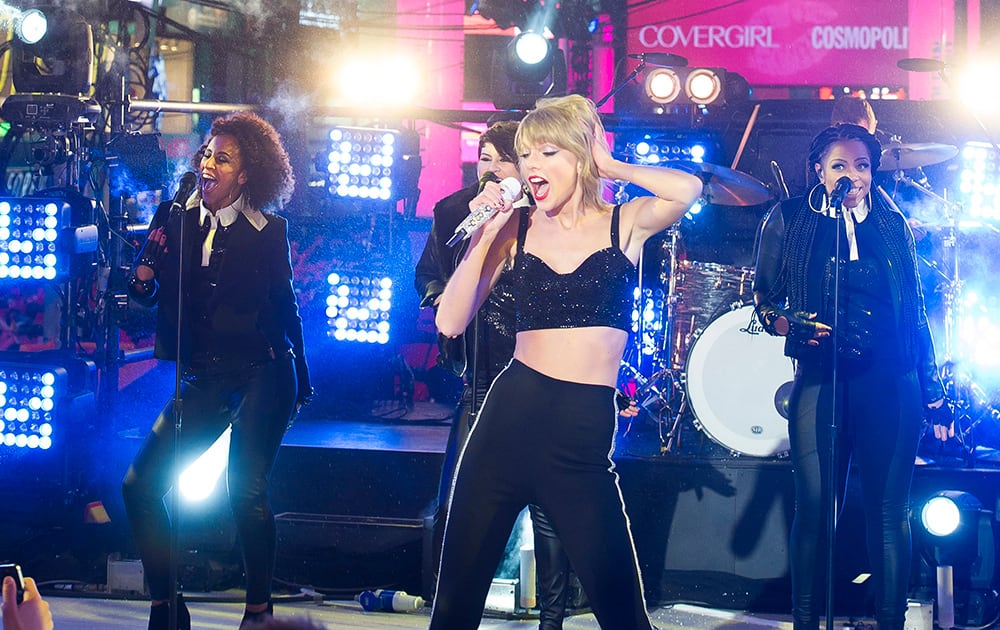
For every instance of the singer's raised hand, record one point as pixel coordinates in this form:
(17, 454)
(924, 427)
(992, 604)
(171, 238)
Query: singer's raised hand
(601, 152)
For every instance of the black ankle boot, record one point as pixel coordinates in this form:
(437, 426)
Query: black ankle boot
(251, 619)
(159, 616)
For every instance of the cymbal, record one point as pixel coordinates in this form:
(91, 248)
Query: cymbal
(920, 64)
(899, 157)
(724, 186)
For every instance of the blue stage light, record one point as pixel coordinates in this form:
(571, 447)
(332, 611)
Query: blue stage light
(380, 165)
(979, 181)
(38, 240)
(29, 404)
(358, 307)
(648, 318)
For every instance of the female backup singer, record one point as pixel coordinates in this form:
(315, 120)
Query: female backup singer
(546, 431)
(241, 350)
(886, 376)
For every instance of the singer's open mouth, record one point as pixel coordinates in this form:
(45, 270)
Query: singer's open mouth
(539, 188)
(207, 184)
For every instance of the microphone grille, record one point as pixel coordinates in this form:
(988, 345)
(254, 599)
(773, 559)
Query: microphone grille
(512, 188)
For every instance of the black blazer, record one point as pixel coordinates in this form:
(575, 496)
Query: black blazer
(254, 305)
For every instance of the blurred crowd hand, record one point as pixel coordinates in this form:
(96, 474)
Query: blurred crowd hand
(32, 614)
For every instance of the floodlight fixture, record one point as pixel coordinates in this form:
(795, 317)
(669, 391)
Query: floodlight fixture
(681, 85)
(380, 165)
(40, 236)
(529, 52)
(358, 306)
(950, 521)
(40, 395)
(703, 86)
(979, 181)
(53, 52)
(662, 85)
(529, 67)
(31, 26)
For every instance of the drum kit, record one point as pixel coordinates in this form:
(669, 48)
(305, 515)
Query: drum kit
(703, 359)
(708, 360)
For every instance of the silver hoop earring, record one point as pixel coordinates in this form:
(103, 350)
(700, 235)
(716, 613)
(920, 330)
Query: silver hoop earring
(819, 192)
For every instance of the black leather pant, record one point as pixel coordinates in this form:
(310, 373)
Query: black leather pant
(880, 419)
(546, 442)
(258, 401)
(552, 567)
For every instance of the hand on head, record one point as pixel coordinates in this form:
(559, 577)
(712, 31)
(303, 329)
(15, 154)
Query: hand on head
(32, 614)
(600, 151)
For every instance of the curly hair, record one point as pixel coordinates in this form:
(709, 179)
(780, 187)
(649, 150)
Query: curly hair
(568, 122)
(269, 172)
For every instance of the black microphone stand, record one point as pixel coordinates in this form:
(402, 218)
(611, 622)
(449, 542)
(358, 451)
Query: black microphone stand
(618, 88)
(832, 481)
(178, 409)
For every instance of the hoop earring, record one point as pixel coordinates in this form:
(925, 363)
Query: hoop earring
(819, 192)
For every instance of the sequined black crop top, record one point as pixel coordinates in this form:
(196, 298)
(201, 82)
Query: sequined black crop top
(597, 293)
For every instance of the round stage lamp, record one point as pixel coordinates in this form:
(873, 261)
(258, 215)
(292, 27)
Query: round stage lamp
(32, 26)
(942, 514)
(703, 86)
(530, 48)
(662, 85)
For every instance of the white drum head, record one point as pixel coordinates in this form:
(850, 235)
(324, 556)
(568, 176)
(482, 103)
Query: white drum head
(733, 376)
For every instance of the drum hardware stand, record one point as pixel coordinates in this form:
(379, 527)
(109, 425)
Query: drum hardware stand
(972, 405)
(668, 352)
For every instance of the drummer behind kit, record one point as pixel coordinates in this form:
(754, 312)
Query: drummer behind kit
(713, 363)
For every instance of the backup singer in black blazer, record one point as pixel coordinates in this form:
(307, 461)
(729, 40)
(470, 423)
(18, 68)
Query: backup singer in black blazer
(886, 379)
(241, 350)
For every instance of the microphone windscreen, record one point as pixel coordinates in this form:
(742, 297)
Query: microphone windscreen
(512, 189)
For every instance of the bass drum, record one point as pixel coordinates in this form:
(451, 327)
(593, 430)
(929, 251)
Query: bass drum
(738, 380)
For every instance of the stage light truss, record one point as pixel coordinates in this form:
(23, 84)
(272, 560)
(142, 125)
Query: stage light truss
(358, 306)
(373, 164)
(40, 235)
(979, 181)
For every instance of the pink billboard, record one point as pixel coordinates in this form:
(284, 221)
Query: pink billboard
(796, 42)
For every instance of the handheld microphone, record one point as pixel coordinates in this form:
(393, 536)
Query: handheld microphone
(511, 192)
(840, 190)
(184, 187)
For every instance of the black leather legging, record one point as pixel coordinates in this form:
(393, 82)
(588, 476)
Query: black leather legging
(551, 564)
(548, 442)
(881, 416)
(258, 402)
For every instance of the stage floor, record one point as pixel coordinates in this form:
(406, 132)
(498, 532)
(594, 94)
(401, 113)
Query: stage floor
(108, 614)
